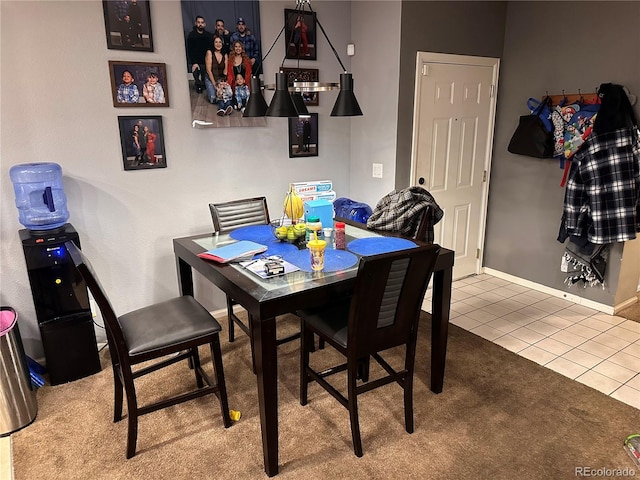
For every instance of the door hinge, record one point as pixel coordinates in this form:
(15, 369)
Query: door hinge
(478, 254)
(491, 91)
(425, 69)
(484, 176)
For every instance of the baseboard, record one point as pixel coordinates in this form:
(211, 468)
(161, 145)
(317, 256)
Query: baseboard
(601, 307)
(625, 304)
(222, 312)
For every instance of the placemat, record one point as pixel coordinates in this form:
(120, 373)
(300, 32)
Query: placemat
(263, 235)
(377, 245)
(256, 233)
(334, 260)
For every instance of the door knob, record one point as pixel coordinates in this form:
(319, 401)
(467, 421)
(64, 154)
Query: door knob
(421, 180)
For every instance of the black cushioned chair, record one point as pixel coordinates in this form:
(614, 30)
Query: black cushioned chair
(166, 332)
(382, 313)
(226, 217)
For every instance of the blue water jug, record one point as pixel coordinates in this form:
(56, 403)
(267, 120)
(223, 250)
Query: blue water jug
(40, 198)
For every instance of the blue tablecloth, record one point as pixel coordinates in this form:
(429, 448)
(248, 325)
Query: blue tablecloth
(376, 245)
(334, 259)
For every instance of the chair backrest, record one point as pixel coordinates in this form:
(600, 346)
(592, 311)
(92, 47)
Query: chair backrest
(239, 213)
(117, 345)
(387, 299)
(426, 219)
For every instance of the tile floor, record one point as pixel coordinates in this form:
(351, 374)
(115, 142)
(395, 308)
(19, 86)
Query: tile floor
(588, 346)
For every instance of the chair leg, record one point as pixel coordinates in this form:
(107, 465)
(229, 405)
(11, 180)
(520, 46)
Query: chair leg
(232, 336)
(195, 360)
(408, 402)
(363, 369)
(216, 358)
(132, 417)
(117, 395)
(353, 410)
(306, 341)
(132, 435)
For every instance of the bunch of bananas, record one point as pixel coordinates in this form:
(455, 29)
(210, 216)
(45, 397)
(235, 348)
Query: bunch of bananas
(293, 207)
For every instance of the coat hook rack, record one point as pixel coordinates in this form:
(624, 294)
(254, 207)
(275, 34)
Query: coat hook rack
(569, 98)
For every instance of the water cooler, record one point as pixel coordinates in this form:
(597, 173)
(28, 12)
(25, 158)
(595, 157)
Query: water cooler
(59, 292)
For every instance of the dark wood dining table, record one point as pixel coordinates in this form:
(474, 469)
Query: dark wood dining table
(265, 299)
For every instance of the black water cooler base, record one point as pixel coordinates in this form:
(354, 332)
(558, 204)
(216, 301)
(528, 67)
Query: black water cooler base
(61, 300)
(70, 348)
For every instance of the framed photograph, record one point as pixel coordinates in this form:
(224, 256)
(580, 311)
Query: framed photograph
(142, 141)
(133, 84)
(304, 75)
(128, 25)
(300, 34)
(303, 136)
(226, 17)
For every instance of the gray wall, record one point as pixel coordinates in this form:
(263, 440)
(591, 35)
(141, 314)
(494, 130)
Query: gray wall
(543, 47)
(463, 28)
(602, 44)
(57, 107)
(126, 220)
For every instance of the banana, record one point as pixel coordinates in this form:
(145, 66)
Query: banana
(293, 207)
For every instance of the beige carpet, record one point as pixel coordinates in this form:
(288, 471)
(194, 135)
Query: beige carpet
(500, 416)
(632, 312)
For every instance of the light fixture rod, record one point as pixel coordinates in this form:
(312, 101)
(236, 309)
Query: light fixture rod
(270, 48)
(328, 41)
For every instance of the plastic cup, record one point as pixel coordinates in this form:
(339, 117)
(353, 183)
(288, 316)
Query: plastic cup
(317, 248)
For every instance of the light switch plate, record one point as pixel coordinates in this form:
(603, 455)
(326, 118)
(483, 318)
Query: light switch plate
(377, 170)
(351, 49)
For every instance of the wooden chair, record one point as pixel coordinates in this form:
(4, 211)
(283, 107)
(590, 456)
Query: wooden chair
(382, 313)
(226, 217)
(166, 332)
(426, 219)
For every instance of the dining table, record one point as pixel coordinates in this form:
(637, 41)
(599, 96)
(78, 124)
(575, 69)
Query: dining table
(267, 298)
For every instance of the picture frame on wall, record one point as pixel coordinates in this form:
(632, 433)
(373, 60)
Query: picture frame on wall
(303, 136)
(218, 15)
(304, 75)
(128, 25)
(142, 141)
(135, 84)
(300, 34)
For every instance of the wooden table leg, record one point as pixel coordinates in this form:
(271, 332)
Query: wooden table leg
(441, 304)
(264, 337)
(185, 278)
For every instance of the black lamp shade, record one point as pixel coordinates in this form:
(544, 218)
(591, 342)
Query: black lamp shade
(281, 103)
(346, 104)
(298, 102)
(256, 105)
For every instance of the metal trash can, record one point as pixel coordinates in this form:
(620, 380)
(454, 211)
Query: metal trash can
(18, 406)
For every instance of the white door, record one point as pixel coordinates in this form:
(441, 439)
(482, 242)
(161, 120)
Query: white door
(452, 138)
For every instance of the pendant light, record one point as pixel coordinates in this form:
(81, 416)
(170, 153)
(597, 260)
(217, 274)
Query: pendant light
(287, 101)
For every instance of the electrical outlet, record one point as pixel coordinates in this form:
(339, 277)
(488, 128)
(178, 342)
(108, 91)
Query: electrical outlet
(377, 170)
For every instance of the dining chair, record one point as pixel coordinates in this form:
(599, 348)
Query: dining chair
(382, 314)
(426, 222)
(226, 217)
(159, 335)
